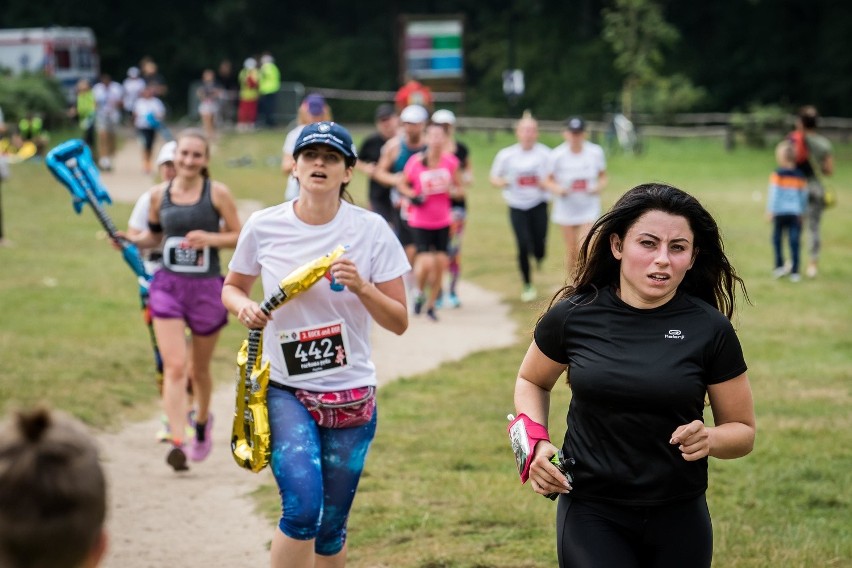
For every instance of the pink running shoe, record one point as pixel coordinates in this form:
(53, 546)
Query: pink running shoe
(199, 450)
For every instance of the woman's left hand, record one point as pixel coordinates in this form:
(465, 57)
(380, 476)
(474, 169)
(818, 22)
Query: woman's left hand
(693, 440)
(344, 271)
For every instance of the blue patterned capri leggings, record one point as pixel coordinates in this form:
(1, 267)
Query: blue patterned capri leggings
(317, 471)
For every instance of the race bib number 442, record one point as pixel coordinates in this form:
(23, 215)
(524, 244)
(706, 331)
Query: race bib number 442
(315, 350)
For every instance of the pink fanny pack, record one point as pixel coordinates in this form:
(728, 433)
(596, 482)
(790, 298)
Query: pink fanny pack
(340, 409)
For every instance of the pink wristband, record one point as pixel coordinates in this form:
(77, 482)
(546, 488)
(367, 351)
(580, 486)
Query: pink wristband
(524, 434)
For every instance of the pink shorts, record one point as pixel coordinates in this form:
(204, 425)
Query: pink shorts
(197, 301)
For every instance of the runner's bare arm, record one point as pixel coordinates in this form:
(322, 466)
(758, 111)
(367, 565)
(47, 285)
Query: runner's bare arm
(382, 173)
(235, 297)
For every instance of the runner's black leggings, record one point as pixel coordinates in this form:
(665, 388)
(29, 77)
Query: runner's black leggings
(530, 228)
(599, 535)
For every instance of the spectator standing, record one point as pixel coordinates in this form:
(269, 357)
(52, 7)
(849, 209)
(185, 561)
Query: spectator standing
(108, 104)
(209, 95)
(249, 81)
(153, 78)
(227, 79)
(814, 157)
(379, 194)
(413, 92)
(519, 171)
(269, 83)
(84, 111)
(786, 205)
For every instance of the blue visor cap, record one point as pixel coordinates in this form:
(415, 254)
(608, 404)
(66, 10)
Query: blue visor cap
(327, 134)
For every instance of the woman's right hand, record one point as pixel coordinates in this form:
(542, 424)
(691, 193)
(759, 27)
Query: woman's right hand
(545, 478)
(252, 316)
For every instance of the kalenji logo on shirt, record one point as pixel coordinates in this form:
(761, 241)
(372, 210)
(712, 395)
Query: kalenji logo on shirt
(674, 334)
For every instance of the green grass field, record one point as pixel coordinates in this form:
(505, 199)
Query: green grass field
(440, 488)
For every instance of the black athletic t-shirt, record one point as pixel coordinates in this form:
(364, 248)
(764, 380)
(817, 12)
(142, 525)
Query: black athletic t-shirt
(371, 150)
(636, 375)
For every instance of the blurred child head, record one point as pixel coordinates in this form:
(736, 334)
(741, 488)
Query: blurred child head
(52, 493)
(785, 154)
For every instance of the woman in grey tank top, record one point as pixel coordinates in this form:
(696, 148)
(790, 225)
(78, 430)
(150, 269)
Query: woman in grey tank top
(193, 217)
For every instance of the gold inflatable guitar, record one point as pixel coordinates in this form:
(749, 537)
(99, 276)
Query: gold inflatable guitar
(250, 432)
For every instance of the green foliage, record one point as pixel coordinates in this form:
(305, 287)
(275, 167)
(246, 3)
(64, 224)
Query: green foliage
(638, 34)
(755, 124)
(666, 96)
(31, 92)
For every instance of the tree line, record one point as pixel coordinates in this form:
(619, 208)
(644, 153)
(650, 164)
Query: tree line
(727, 55)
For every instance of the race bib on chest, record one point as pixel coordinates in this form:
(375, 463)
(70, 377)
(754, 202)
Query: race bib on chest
(579, 185)
(178, 256)
(527, 180)
(435, 181)
(315, 351)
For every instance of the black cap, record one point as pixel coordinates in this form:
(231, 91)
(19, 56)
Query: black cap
(385, 110)
(575, 124)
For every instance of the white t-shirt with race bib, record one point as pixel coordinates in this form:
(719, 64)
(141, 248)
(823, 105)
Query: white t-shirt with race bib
(524, 170)
(319, 340)
(579, 174)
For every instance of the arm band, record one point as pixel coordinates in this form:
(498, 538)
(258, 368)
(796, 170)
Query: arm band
(155, 227)
(524, 434)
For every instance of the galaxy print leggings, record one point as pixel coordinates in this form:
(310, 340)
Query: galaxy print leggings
(317, 470)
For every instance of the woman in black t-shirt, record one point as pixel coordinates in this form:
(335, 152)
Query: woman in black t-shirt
(644, 335)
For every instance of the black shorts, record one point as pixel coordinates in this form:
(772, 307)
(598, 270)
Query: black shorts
(147, 137)
(432, 240)
(383, 207)
(403, 230)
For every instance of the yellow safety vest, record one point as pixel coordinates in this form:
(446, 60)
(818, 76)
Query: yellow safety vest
(248, 93)
(270, 79)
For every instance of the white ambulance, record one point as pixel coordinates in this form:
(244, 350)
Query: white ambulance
(67, 54)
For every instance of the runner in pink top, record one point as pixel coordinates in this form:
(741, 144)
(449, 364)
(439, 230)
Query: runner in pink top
(431, 178)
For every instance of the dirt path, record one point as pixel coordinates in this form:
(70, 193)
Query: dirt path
(205, 517)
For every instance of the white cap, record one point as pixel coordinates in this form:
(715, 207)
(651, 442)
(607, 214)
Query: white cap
(250, 63)
(443, 116)
(167, 153)
(414, 114)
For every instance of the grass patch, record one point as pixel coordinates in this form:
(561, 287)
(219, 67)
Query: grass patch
(440, 487)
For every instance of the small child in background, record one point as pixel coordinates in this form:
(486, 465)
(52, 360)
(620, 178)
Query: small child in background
(52, 493)
(785, 207)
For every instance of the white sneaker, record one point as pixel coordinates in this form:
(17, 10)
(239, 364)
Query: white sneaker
(780, 271)
(529, 294)
(795, 277)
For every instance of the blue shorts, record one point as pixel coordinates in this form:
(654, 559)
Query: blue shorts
(317, 471)
(197, 301)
